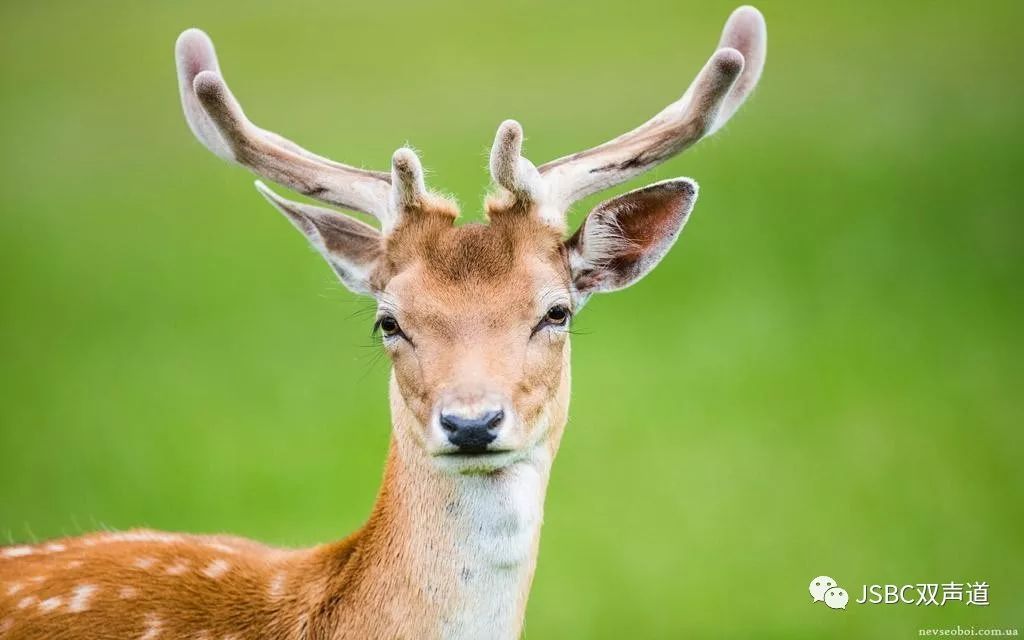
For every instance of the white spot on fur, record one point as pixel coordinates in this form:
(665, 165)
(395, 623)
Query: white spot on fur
(220, 546)
(50, 604)
(216, 569)
(132, 536)
(14, 588)
(80, 598)
(27, 602)
(127, 593)
(16, 552)
(144, 563)
(37, 579)
(54, 547)
(74, 564)
(178, 568)
(276, 585)
(303, 621)
(6, 624)
(153, 626)
(141, 536)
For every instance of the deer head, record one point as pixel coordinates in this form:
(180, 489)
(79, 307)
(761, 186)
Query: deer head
(475, 317)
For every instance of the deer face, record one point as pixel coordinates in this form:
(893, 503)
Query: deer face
(475, 317)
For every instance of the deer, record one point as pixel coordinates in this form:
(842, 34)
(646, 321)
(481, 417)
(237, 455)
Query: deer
(475, 320)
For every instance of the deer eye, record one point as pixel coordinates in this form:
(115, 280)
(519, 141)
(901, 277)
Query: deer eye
(556, 316)
(388, 326)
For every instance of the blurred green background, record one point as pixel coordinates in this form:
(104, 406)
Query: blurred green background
(823, 377)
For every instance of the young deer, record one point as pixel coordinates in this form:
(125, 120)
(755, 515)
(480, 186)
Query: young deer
(474, 319)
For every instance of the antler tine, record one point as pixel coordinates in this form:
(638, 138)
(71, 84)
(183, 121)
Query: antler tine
(722, 85)
(745, 31)
(508, 166)
(517, 175)
(407, 185)
(217, 120)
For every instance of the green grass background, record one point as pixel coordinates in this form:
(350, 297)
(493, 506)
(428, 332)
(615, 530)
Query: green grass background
(823, 377)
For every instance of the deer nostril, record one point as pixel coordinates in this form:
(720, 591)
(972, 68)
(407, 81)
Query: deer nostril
(495, 418)
(472, 434)
(448, 423)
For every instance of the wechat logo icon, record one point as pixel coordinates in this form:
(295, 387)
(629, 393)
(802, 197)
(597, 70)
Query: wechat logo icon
(827, 590)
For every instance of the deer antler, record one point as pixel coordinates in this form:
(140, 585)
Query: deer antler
(216, 118)
(719, 89)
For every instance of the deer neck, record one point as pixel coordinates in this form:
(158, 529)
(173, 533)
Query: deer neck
(452, 555)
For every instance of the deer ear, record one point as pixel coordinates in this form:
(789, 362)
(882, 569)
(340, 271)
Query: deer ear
(622, 239)
(352, 248)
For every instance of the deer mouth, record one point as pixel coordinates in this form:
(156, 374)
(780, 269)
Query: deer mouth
(477, 462)
(481, 453)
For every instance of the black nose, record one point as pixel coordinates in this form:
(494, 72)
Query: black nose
(472, 435)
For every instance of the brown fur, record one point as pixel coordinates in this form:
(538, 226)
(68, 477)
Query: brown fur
(184, 603)
(468, 297)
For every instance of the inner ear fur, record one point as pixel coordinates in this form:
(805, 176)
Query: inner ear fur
(622, 239)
